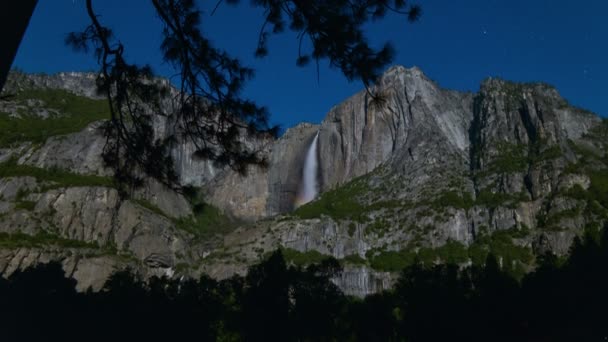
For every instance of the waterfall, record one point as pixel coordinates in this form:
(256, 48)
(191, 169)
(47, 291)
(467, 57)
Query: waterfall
(308, 189)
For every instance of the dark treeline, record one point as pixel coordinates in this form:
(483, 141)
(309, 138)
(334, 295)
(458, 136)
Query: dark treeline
(560, 301)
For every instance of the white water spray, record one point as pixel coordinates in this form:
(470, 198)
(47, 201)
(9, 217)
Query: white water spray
(309, 190)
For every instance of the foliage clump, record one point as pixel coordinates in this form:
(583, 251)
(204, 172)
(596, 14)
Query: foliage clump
(55, 176)
(74, 113)
(41, 239)
(341, 203)
(298, 258)
(207, 221)
(500, 244)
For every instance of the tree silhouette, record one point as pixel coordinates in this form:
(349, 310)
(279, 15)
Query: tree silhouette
(266, 303)
(317, 303)
(209, 110)
(563, 300)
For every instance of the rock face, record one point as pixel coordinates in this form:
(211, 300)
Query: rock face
(79, 152)
(361, 281)
(357, 136)
(513, 170)
(75, 82)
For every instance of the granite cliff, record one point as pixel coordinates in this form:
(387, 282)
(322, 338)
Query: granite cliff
(428, 174)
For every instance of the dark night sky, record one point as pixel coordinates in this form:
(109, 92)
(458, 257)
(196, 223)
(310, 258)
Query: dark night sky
(456, 43)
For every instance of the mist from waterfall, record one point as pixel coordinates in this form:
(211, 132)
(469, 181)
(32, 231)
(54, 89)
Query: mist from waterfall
(308, 189)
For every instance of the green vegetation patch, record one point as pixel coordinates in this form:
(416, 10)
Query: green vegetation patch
(599, 132)
(552, 222)
(76, 112)
(21, 202)
(490, 199)
(596, 197)
(340, 203)
(352, 228)
(345, 203)
(514, 158)
(182, 267)
(60, 178)
(25, 205)
(500, 244)
(391, 261)
(380, 226)
(353, 259)
(452, 199)
(511, 158)
(303, 258)
(458, 200)
(148, 205)
(207, 221)
(452, 252)
(542, 155)
(598, 189)
(589, 155)
(21, 240)
(593, 232)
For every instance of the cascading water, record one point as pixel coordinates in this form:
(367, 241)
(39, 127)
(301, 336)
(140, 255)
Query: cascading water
(308, 189)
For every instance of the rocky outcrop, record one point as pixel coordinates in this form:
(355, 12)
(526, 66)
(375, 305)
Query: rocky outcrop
(362, 281)
(79, 83)
(79, 152)
(92, 221)
(357, 136)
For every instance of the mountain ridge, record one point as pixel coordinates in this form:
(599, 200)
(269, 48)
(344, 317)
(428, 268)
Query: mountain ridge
(432, 174)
